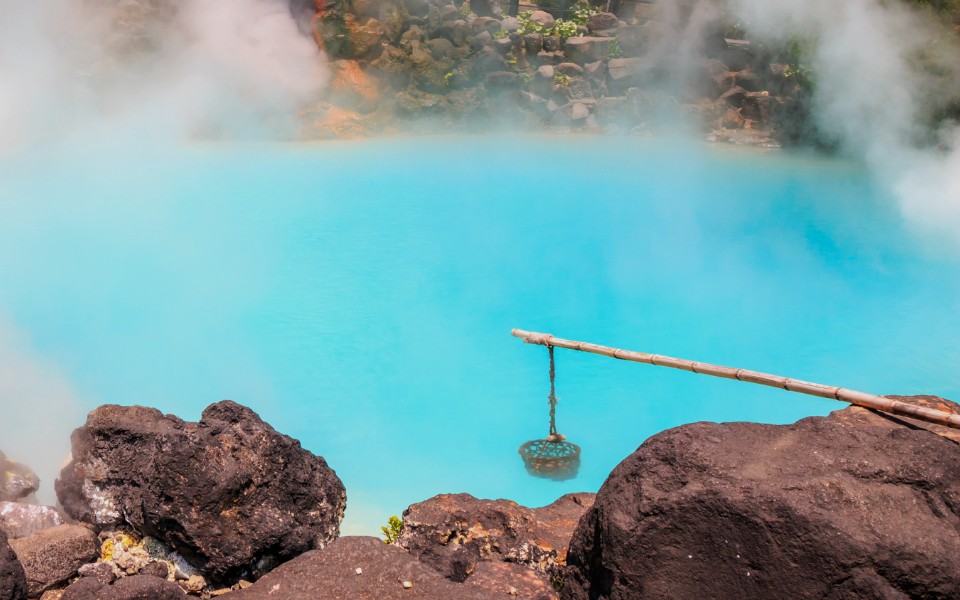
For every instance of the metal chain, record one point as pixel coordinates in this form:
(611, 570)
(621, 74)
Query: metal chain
(552, 398)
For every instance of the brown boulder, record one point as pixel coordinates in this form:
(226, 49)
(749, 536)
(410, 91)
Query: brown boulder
(229, 493)
(52, 556)
(852, 505)
(136, 587)
(454, 532)
(332, 574)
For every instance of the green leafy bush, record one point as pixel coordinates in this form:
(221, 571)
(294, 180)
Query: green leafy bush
(391, 531)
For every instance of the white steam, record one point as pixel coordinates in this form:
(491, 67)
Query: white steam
(38, 409)
(235, 69)
(881, 69)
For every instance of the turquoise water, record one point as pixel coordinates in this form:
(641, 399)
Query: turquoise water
(360, 295)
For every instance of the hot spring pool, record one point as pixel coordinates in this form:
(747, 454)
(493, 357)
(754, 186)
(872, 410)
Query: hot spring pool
(360, 296)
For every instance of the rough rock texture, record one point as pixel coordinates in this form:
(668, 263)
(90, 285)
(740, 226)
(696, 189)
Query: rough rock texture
(53, 555)
(228, 493)
(454, 532)
(331, 574)
(13, 582)
(20, 520)
(137, 587)
(16, 479)
(853, 505)
(502, 578)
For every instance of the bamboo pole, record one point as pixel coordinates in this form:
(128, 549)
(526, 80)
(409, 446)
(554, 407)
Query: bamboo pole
(887, 405)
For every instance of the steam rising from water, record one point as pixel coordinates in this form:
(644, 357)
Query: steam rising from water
(38, 409)
(883, 71)
(148, 68)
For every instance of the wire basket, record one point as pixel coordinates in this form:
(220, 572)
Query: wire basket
(559, 460)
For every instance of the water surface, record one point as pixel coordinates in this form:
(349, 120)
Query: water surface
(360, 295)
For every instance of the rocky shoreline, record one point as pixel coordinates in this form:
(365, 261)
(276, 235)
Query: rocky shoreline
(409, 65)
(852, 505)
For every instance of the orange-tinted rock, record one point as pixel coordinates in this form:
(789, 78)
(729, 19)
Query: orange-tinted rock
(454, 532)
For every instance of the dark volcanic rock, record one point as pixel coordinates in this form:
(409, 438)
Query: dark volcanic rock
(137, 587)
(53, 555)
(16, 479)
(853, 505)
(13, 582)
(501, 579)
(454, 532)
(331, 574)
(229, 493)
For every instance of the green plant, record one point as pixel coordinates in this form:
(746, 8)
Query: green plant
(582, 11)
(614, 50)
(565, 29)
(393, 528)
(500, 34)
(561, 79)
(464, 9)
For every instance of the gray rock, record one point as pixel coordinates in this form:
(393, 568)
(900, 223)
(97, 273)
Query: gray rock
(449, 12)
(595, 71)
(569, 69)
(503, 45)
(229, 492)
(13, 582)
(488, 24)
(601, 21)
(20, 520)
(852, 505)
(546, 72)
(533, 42)
(625, 73)
(17, 480)
(543, 17)
(579, 111)
(587, 49)
(510, 24)
(551, 43)
(53, 555)
(481, 40)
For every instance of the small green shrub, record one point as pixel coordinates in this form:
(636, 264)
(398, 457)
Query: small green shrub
(500, 34)
(614, 50)
(391, 531)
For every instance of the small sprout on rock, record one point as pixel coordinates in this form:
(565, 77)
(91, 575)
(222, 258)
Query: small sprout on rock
(391, 531)
(561, 79)
(500, 34)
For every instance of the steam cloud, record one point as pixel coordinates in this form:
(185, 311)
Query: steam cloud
(883, 72)
(234, 69)
(39, 409)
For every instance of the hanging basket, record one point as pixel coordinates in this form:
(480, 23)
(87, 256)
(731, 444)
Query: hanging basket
(551, 459)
